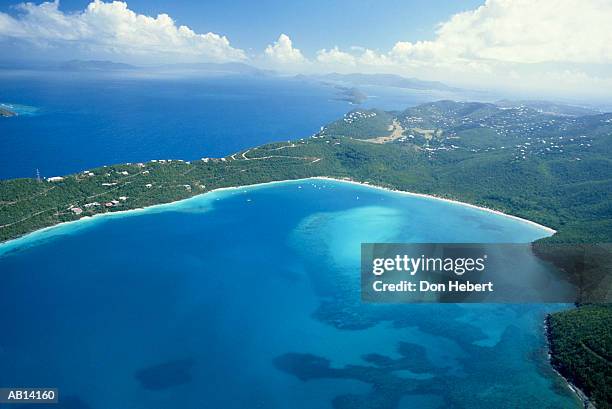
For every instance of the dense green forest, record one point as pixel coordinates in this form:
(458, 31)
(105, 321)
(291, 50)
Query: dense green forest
(362, 124)
(581, 345)
(555, 170)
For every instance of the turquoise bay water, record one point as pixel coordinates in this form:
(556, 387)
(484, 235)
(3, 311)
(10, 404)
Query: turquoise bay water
(250, 298)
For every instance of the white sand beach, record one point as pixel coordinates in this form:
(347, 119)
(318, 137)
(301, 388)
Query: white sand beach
(6, 246)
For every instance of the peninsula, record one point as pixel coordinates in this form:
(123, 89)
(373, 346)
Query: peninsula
(553, 170)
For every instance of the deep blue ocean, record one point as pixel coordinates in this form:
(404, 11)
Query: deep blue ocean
(74, 121)
(83, 121)
(220, 301)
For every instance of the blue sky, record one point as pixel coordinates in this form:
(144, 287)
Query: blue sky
(314, 24)
(549, 45)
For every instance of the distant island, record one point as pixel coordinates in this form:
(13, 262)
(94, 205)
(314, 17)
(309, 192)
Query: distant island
(105, 66)
(553, 169)
(93, 65)
(352, 95)
(382, 80)
(5, 112)
(350, 85)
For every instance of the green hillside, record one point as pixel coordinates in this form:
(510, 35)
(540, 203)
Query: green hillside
(581, 349)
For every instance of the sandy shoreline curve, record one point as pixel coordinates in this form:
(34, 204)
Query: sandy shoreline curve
(9, 243)
(426, 196)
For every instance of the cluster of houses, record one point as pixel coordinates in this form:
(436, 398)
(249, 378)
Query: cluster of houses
(115, 202)
(553, 145)
(538, 134)
(412, 120)
(206, 160)
(79, 210)
(353, 116)
(162, 161)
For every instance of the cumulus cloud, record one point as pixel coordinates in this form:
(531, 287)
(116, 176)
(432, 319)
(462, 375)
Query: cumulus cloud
(359, 58)
(372, 58)
(521, 31)
(544, 44)
(283, 52)
(513, 32)
(335, 56)
(112, 28)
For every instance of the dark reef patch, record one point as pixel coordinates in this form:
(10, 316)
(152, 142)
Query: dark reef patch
(489, 378)
(166, 375)
(387, 388)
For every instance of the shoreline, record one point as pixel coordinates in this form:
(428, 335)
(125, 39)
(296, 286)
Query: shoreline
(121, 213)
(434, 197)
(582, 397)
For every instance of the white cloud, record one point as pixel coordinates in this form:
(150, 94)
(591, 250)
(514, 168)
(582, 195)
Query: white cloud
(335, 56)
(521, 31)
(283, 52)
(560, 45)
(112, 28)
(360, 58)
(372, 58)
(500, 35)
